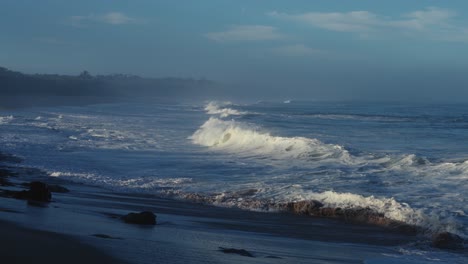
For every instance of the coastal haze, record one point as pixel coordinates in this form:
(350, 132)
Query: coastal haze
(255, 131)
(328, 50)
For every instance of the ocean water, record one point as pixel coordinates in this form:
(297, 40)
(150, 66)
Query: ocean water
(407, 161)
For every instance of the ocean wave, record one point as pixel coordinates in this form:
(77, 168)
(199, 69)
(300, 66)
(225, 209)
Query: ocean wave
(246, 140)
(240, 138)
(217, 108)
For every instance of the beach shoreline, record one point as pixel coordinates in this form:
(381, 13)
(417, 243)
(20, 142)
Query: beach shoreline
(90, 217)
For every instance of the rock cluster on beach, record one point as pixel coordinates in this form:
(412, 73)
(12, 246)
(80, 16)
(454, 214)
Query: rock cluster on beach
(143, 218)
(353, 215)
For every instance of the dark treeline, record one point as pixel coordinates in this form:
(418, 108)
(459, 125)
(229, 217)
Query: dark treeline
(14, 83)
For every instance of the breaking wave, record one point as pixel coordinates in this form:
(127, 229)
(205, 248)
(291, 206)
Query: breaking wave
(236, 137)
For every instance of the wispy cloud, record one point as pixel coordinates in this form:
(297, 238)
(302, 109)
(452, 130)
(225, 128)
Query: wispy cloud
(111, 18)
(245, 33)
(297, 50)
(433, 21)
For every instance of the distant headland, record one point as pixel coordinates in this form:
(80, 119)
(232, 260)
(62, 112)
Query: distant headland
(14, 83)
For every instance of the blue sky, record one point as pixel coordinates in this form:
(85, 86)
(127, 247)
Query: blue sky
(320, 49)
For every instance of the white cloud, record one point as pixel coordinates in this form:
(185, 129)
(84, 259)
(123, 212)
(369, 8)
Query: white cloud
(355, 21)
(116, 18)
(245, 33)
(112, 18)
(432, 21)
(298, 50)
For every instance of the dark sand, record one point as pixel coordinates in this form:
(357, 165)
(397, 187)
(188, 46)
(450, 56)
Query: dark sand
(20, 245)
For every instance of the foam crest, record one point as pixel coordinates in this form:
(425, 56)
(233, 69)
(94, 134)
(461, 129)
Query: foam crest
(240, 138)
(392, 209)
(5, 119)
(389, 208)
(145, 184)
(215, 108)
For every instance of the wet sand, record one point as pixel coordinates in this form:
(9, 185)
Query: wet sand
(21, 245)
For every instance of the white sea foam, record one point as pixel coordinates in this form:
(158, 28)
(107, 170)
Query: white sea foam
(240, 138)
(5, 119)
(216, 108)
(147, 184)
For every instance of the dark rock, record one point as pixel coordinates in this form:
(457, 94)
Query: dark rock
(446, 240)
(39, 191)
(273, 257)
(143, 218)
(328, 212)
(241, 252)
(304, 207)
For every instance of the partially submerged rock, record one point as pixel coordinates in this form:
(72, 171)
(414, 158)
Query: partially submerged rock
(39, 191)
(241, 252)
(311, 207)
(143, 218)
(353, 215)
(446, 240)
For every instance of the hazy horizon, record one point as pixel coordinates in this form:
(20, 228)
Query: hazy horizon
(327, 50)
